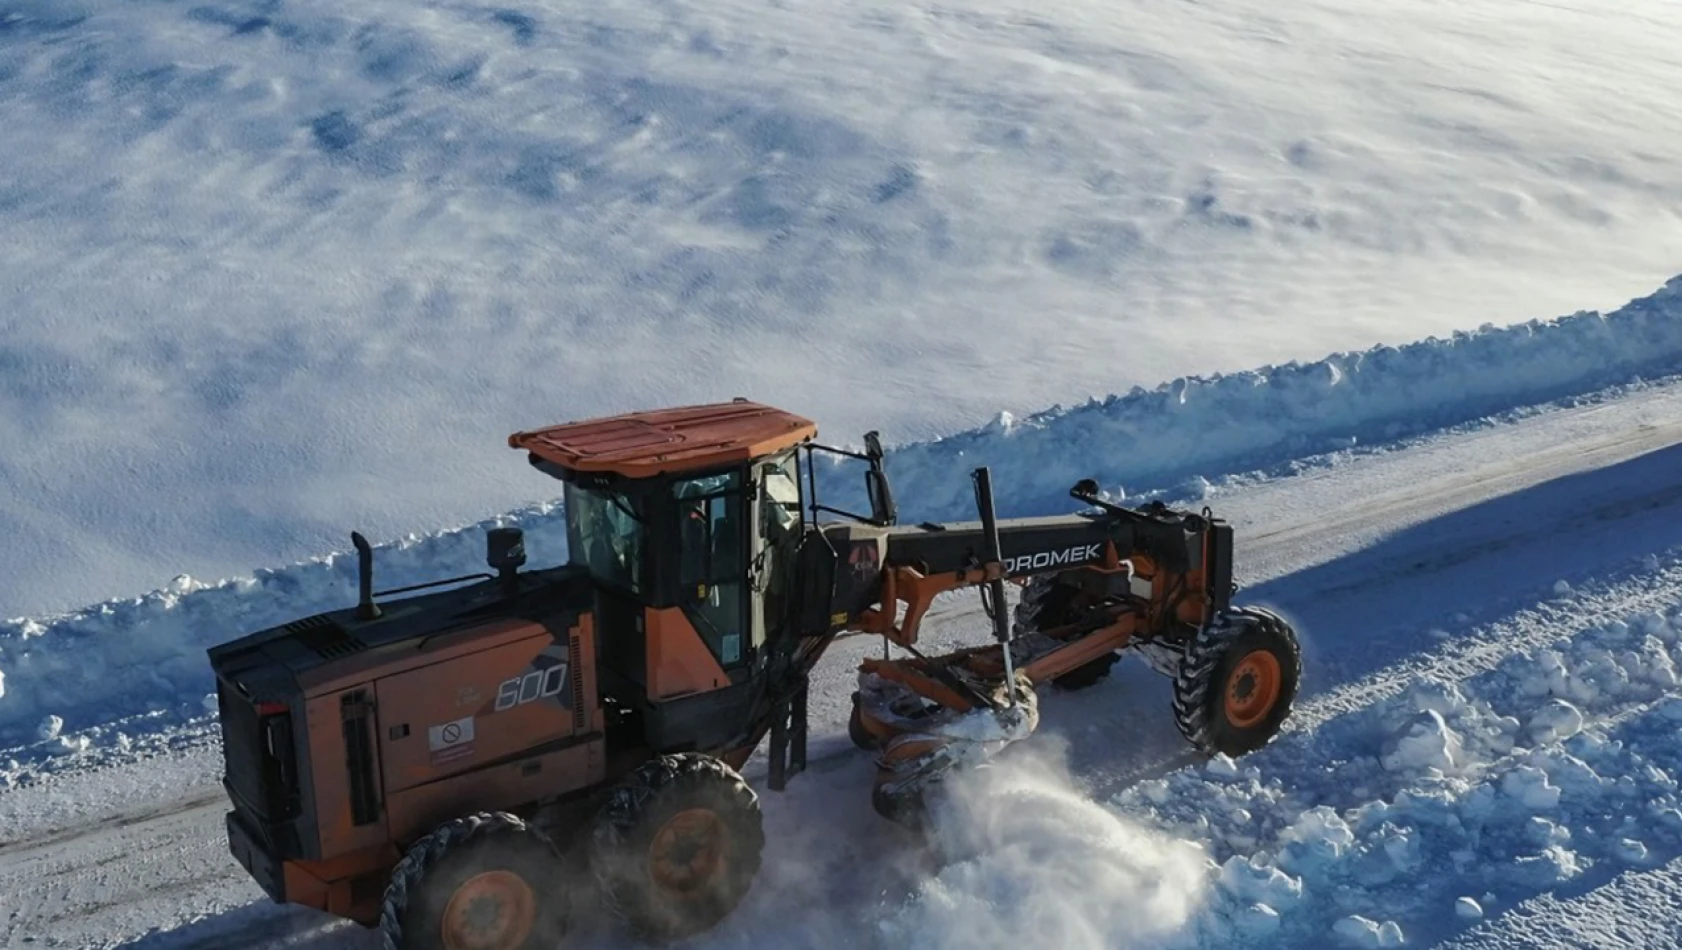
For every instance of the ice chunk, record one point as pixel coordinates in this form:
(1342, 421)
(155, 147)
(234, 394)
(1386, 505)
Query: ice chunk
(1357, 931)
(70, 745)
(1195, 488)
(1222, 766)
(1552, 866)
(1543, 832)
(1255, 880)
(1556, 720)
(1531, 787)
(49, 728)
(1426, 743)
(1467, 909)
(1390, 934)
(1631, 851)
(1445, 698)
(1257, 920)
(1562, 588)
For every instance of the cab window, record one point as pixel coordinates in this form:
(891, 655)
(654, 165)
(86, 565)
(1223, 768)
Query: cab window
(712, 541)
(605, 534)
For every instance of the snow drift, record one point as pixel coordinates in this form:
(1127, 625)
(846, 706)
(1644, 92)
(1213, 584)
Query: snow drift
(145, 655)
(1202, 427)
(1413, 816)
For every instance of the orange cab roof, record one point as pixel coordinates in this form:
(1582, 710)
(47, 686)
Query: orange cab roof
(642, 444)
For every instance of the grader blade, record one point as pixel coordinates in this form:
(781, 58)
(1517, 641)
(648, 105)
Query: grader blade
(928, 745)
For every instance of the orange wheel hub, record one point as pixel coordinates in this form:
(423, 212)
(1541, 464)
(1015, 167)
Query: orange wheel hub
(689, 852)
(495, 910)
(1253, 688)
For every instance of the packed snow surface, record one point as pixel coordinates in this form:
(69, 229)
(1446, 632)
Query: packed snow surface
(1319, 840)
(279, 268)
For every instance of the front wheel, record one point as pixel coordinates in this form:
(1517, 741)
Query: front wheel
(1237, 681)
(678, 845)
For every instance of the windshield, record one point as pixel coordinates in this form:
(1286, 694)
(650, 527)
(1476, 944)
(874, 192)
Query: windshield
(605, 535)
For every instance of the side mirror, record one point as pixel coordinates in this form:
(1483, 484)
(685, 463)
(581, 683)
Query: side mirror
(882, 508)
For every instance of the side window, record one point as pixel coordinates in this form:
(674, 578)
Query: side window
(781, 501)
(780, 523)
(712, 562)
(605, 534)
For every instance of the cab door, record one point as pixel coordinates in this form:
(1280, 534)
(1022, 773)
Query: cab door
(713, 563)
(775, 539)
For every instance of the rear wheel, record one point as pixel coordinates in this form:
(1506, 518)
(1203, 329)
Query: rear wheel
(483, 882)
(677, 846)
(1237, 682)
(1046, 605)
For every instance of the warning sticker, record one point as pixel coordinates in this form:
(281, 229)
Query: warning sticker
(451, 740)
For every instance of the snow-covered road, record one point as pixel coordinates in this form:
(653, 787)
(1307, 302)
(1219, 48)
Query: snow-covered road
(1435, 561)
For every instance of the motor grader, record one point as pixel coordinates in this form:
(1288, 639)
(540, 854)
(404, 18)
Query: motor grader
(455, 762)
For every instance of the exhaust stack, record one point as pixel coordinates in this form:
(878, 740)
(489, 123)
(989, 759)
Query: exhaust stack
(366, 609)
(505, 551)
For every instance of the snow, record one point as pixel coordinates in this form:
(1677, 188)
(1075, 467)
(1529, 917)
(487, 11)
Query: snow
(1417, 771)
(1029, 860)
(1358, 931)
(1556, 720)
(1179, 434)
(278, 270)
(144, 657)
(1374, 858)
(149, 660)
(1426, 744)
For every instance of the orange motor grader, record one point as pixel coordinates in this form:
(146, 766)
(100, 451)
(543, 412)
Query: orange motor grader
(454, 761)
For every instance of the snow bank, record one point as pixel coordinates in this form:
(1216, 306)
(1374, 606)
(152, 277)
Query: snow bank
(1373, 830)
(1176, 434)
(145, 656)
